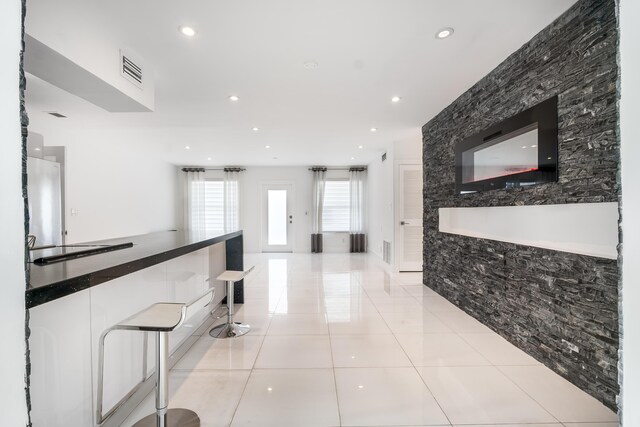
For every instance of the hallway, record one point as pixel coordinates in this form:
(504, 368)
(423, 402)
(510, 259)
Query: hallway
(337, 341)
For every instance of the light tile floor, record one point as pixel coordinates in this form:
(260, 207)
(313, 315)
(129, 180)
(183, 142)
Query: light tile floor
(337, 341)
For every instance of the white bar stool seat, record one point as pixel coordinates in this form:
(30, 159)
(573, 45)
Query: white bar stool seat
(231, 329)
(160, 318)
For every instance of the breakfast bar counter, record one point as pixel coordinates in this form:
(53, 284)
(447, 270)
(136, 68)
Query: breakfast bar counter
(52, 281)
(72, 302)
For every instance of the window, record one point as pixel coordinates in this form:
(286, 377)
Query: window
(214, 206)
(336, 208)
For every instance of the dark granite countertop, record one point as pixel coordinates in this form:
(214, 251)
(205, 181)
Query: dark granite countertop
(53, 281)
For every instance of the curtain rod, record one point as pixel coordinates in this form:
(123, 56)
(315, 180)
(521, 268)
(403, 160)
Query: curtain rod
(340, 169)
(212, 169)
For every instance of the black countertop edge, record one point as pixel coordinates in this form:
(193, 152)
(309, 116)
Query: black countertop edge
(41, 294)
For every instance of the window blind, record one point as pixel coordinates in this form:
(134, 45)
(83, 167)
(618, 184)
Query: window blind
(214, 206)
(336, 207)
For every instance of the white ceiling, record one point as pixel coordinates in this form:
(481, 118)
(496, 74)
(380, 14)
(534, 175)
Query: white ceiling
(367, 51)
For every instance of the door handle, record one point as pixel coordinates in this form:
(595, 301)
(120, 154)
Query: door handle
(403, 223)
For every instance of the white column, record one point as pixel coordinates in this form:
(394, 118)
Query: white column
(13, 408)
(630, 134)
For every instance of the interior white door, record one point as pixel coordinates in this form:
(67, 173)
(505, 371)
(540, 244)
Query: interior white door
(410, 218)
(277, 218)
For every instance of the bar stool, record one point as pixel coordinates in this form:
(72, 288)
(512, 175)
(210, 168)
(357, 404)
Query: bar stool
(231, 329)
(160, 318)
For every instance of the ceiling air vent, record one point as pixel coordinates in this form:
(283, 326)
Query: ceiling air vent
(130, 69)
(384, 157)
(56, 114)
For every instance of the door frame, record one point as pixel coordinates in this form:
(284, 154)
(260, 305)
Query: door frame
(262, 191)
(397, 228)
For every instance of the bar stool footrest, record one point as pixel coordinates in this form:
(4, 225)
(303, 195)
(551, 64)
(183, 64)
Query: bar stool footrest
(176, 417)
(226, 330)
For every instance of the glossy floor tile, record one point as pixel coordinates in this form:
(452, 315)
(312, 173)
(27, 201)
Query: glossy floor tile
(367, 351)
(295, 351)
(298, 324)
(385, 396)
(338, 341)
(561, 398)
(213, 395)
(288, 397)
(440, 350)
(212, 353)
(497, 350)
(482, 395)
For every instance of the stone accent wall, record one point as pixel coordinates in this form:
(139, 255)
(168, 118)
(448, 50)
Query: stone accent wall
(561, 308)
(24, 122)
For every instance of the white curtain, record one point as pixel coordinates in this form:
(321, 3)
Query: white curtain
(319, 181)
(231, 200)
(358, 214)
(194, 211)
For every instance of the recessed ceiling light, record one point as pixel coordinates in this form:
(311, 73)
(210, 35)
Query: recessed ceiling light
(533, 146)
(361, 387)
(310, 65)
(208, 158)
(234, 98)
(269, 389)
(255, 129)
(444, 33)
(373, 129)
(267, 146)
(37, 148)
(187, 31)
(186, 147)
(353, 158)
(524, 146)
(360, 147)
(396, 99)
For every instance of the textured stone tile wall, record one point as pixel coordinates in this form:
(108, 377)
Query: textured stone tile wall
(561, 308)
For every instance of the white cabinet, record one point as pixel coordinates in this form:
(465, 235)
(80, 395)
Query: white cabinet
(60, 345)
(65, 337)
(187, 279)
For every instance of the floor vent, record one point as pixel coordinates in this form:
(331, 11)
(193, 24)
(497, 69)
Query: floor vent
(130, 70)
(386, 251)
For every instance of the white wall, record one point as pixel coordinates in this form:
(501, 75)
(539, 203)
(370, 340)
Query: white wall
(251, 204)
(380, 180)
(13, 408)
(630, 134)
(114, 186)
(302, 179)
(251, 201)
(91, 43)
(384, 187)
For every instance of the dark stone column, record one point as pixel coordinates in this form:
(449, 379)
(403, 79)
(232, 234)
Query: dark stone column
(24, 122)
(235, 261)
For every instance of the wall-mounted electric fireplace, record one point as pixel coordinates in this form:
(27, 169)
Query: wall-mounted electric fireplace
(520, 151)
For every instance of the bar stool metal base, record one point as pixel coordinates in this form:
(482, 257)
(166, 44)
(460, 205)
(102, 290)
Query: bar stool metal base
(176, 417)
(229, 330)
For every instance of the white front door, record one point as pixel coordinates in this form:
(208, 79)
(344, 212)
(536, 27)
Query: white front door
(410, 218)
(277, 217)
